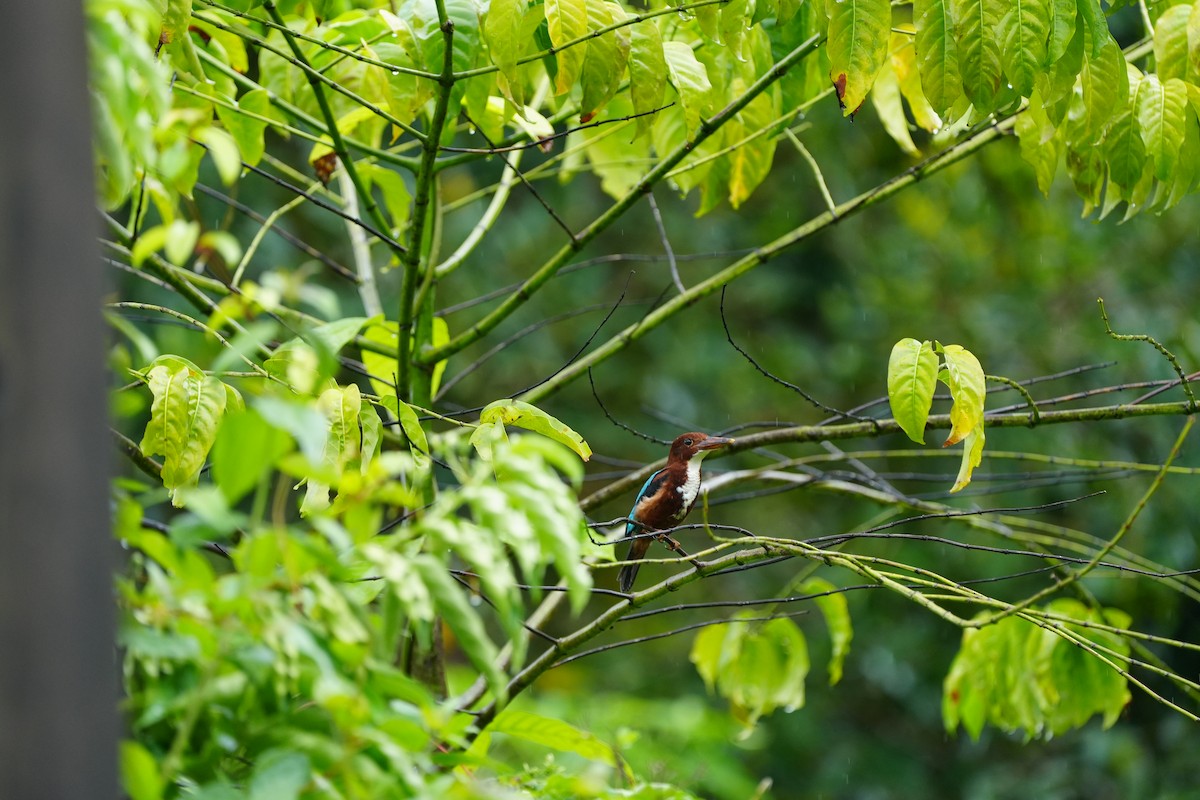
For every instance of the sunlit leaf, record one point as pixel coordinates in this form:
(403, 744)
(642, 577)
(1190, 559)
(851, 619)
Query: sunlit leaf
(859, 32)
(964, 375)
(888, 105)
(502, 32)
(567, 20)
(139, 772)
(911, 379)
(1171, 43)
(690, 79)
(1162, 112)
(971, 458)
(524, 415)
(607, 55)
(647, 72)
(552, 733)
(184, 416)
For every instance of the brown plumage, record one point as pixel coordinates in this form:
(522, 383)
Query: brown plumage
(666, 497)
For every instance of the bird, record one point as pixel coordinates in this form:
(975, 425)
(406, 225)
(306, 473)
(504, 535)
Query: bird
(666, 497)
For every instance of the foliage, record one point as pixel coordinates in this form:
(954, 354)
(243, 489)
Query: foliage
(338, 532)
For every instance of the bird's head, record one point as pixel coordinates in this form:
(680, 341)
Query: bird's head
(695, 445)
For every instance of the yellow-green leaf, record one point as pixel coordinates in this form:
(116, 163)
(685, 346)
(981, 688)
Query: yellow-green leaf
(911, 379)
(341, 408)
(184, 417)
(607, 55)
(836, 612)
(690, 79)
(647, 72)
(964, 375)
(502, 32)
(552, 733)
(1162, 112)
(903, 61)
(1171, 42)
(888, 105)
(971, 458)
(524, 415)
(859, 32)
(567, 20)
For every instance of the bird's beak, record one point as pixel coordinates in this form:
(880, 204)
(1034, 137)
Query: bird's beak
(713, 442)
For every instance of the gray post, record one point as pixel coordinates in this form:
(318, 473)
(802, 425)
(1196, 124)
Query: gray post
(58, 673)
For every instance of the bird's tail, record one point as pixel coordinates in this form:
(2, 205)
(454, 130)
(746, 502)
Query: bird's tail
(637, 550)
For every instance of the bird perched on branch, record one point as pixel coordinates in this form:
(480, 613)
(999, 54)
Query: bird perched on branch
(666, 498)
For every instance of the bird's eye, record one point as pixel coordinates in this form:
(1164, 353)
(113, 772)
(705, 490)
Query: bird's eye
(688, 442)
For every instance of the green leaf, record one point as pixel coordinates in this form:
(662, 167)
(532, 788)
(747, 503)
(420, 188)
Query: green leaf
(396, 198)
(1024, 30)
(181, 240)
(1193, 38)
(1162, 112)
(341, 408)
(468, 629)
(836, 612)
(911, 379)
(1018, 676)
(971, 458)
(306, 425)
(964, 375)
(758, 667)
(1064, 17)
(411, 425)
(502, 32)
(1041, 145)
(750, 162)
(888, 105)
(733, 19)
(139, 772)
(1171, 43)
(247, 131)
(604, 63)
(245, 450)
(337, 334)
(690, 79)
(223, 149)
(1081, 683)
(937, 54)
(552, 733)
(279, 775)
(567, 20)
(184, 416)
(297, 365)
(902, 60)
(979, 48)
(1125, 151)
(647, 72)
(1096, 25)
(524, 415)
(859, 32)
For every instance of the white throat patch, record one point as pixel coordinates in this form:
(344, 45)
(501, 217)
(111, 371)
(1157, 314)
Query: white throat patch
(691, 487)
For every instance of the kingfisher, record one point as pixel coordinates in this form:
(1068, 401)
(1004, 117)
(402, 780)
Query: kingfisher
(666, 497)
